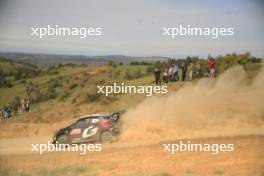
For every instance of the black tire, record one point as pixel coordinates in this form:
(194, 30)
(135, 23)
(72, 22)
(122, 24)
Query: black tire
(63, 139)
(107, 136)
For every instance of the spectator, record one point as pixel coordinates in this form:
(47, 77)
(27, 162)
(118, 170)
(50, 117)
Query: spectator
(184, 69)
(175, 71)
(15, 109)
(198, 71)
(27, 105)
(157, 76)
(212, 67)
(7, 111)
(1, 112)
(15, 106)
(165, 78)
(191, 71)
(170, 74)
(23, 105)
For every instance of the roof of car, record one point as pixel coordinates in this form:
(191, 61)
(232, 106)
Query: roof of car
(95, 115)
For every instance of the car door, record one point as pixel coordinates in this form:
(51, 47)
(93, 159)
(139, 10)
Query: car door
(76, 130)
(90, 131)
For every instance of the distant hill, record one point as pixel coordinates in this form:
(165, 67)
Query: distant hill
(45, 60)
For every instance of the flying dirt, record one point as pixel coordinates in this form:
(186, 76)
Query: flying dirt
(230, 105)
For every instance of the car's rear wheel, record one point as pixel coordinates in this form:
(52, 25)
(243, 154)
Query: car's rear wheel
(63, 139)
(107, 136)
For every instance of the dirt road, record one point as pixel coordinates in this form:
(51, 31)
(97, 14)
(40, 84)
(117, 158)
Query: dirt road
(143, 159)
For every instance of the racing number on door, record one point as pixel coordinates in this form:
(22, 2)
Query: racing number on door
(89, 131)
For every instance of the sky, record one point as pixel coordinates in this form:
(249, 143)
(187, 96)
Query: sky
(132, 28)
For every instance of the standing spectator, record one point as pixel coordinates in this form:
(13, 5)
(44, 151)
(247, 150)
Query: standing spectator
(27, 105)
(15, 108)
(157, 76)
(16, 104)
(1, 112)
(175, 71)
(212, 67)
(184, 69)
(7, 111)
(165, 78)
(23, 105)
(191, 71)
(170, 74)
(198, 71)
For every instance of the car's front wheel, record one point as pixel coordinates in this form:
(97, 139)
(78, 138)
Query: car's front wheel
(63, 139)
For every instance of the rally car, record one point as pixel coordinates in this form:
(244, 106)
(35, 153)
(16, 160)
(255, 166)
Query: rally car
(90, 128)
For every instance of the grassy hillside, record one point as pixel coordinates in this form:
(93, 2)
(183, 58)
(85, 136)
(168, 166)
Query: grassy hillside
(73, 87)
(66, 91)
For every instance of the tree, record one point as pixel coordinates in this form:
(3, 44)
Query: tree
(111, 63)
(243, 59)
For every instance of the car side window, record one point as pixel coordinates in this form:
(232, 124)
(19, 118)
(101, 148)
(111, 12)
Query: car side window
(95, 120)
(80, 122)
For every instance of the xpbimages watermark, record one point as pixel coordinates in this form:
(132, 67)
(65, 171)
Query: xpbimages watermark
(131, 89)
(56, 30)
(188, 30)
(51, 147)
(196, 147)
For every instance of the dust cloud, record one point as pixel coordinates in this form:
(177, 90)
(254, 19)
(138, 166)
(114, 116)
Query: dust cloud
(230, 105)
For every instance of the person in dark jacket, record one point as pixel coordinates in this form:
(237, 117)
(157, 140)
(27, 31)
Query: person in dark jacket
(157, 76)
(184, 70)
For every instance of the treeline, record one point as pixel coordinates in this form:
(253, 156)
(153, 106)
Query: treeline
(140, 63)
(223, 63)
(229, 60)
(114, 64)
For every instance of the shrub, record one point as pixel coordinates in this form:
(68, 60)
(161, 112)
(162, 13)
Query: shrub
(55, 83)
(73, 85)
(127, 75)
(137, 74)
(112, 64)
(23, 81)
(117, 73)
(100, 81)
(150, 69)
(92, 95)
(65, 95)
(9, 84)
(110, 74)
